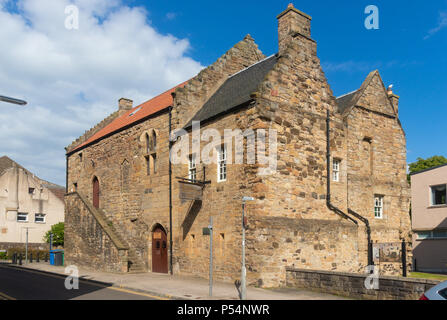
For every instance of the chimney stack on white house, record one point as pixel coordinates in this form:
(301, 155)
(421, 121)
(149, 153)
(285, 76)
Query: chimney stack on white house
(290, 23)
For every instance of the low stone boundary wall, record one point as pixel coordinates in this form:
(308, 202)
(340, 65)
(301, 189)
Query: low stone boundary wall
(353, 285)
(16, 245)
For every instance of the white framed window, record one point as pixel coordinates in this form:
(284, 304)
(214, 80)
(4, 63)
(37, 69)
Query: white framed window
(222, 164)
(22, 217)
(336, 170)
(438, 195)
(192, 168)
(39, 218)
(378, 207)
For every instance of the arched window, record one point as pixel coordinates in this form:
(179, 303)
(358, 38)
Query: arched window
(95, 192)
(148, 143)
(154, 140)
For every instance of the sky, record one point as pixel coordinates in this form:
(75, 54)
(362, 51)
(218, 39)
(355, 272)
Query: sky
(72, 79)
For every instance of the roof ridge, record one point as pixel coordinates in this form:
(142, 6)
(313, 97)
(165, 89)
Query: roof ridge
(240, 71)
(347, 94)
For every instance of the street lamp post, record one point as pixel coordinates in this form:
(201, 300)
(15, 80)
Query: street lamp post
(13, 100)
(244, 270)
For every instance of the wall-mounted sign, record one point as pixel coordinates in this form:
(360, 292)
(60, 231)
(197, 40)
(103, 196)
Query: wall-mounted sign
(190, 191)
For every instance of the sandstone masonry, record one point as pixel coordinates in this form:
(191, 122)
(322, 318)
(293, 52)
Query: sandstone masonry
(292, 222)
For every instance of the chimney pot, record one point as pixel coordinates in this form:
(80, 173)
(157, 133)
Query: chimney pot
(291, 22)
(394, 99)
(125, 104)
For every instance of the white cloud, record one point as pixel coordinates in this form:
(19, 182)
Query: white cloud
(171, 15)
(442, 23)
(72, 79)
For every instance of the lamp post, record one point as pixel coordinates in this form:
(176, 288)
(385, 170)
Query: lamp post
(13, 100)
(244, 270)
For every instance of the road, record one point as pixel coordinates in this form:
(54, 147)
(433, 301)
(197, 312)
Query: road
(23, 284)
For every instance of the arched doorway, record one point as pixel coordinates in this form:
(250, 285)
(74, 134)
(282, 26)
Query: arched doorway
(159, 250)
(95, 192)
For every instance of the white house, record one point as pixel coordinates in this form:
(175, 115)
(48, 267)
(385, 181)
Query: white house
(27, 203)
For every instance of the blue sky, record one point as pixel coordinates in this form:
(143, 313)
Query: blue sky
(400, 49)
(72, 79)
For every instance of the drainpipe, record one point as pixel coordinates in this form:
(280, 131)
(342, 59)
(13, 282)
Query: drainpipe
(368, 234)
(328, 198)
(66, 173)
(328, 169)
(170, 193)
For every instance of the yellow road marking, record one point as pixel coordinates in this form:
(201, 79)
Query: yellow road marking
(137, 293)
(59, 276)
(5, 296)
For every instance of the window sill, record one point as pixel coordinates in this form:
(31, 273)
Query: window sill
(39, 222)
(432, 239)
(22, 221)
(438, 206)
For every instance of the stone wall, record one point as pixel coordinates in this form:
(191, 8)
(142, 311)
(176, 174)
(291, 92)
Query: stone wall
(190, 98)
(133, 199)
(20, 245)
(87, 242)
(353, 285)
(275, 243)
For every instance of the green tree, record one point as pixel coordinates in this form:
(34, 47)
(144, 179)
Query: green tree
(58, 234)
(424, 164)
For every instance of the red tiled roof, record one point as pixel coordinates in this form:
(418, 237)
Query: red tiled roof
(145, 109)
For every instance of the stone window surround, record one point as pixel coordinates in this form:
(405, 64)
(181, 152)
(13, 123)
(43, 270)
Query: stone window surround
(192, 167)
(222, 163)
(382, 202)
(336, 173)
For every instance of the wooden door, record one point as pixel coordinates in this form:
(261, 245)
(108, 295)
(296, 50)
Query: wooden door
(159, 251)
(95, 192)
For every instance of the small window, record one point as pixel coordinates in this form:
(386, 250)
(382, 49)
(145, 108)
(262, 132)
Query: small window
(148, 143)
(378, 207)
(31, 190)
(154, 162)
(75, 186)
(39, 218)
(438, 234)
(154, 141)
(80, 157)
(438, 195)
(336, 170)
(222, 164)
(22, 217)
(192, 169)
(148, 165)
(423, 235)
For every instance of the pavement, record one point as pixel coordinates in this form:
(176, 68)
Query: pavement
(164, 286)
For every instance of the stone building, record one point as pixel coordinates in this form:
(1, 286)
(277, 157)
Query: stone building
(26, 202)
(127, 206)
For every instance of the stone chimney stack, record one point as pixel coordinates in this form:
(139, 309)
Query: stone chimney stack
(290, 23)
(125, 104)
(394, 99)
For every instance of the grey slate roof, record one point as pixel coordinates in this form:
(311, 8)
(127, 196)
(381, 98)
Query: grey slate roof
(236, 90)
(346, 101)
